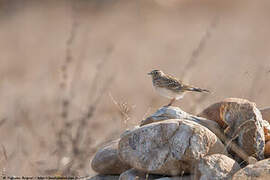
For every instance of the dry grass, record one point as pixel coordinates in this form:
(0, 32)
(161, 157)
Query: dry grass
(73, 73)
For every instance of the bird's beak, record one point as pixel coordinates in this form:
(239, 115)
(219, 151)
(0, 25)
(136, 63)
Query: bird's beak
(149, 73)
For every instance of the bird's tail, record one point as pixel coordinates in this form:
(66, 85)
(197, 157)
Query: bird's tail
(198, 90)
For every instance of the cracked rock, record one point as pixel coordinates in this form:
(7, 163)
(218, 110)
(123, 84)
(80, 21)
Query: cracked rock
(106, 160)
(258, 171)
(169, 147)
(241, 120)
(216, 167)
(188, 177)
(267, 149)
(165, 113)
(133, 174)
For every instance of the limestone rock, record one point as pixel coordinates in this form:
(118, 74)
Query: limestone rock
(266, 129)
(133, 174)
(239, 118)
(104, 177)
(216, 167)
(187, 177)
(267, 149)
(165, 113)
(257, 171)
(170, 112)
(169, 147)
(106, 160)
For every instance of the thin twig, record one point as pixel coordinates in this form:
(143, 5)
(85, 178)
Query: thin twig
(3, 121)
(197, 51)
(122, 108)
(4, 152)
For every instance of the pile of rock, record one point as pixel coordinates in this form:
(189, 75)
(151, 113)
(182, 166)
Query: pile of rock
(228, 140)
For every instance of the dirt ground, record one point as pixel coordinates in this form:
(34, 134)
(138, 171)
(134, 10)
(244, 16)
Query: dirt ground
(73, 74)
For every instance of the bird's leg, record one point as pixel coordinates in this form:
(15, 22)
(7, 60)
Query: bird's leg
(171, 102)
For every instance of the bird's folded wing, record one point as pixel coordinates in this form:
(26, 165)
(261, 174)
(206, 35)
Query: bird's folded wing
(170, 83)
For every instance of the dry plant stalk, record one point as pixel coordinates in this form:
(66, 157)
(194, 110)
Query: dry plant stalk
(73, 139)
(198, 50)
(123, 109)
(227, 141)
(191, 63)
(254, 85)
(3, 121)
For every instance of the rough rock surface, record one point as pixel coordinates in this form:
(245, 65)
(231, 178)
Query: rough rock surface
(239, 118)
(104, 177)
(187, 177)
(267, 149)
(216, 167)
(165, 113)
(133, 174)
(170, 112)
(257, 171)
(106, 160)
(168, 147)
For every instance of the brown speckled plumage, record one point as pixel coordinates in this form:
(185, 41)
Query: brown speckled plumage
(171, 87)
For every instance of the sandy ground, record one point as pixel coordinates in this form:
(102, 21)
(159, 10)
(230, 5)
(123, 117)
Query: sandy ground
(64, 65)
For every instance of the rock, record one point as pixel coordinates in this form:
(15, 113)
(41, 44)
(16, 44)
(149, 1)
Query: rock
(106, 160)
(133, 174)
(267, 149)
(257, 171)
(187, 177)
(170, 112)
(103, 177)
(239, 118)
(266, 114)
(165, 113)
(169, 147)
(266, 129)
(214, 113)
(216, 167)
(129, 130)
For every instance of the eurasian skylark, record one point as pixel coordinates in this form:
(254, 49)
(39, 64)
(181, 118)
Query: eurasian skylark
(171, 87)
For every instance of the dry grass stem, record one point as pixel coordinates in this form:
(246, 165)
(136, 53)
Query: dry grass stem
(198, 50)
(123, 109)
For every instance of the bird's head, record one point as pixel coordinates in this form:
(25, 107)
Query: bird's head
(156, 73)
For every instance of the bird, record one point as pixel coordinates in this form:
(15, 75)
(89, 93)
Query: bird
(171, 87)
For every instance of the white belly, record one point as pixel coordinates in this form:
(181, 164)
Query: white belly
(169, 94)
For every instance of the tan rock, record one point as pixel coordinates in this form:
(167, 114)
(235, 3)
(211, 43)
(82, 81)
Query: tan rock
(170, 112)
(186, 177)
(242, 120)
(133, 174)
(106, 160)
(267, 149)
(257, 171)
(266, 129)
(216, 167)
(214, 112)
(168, 147)
(104, 177)
(165, 113)
(266, 134)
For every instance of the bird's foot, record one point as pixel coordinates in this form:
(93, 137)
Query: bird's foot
(171, 102)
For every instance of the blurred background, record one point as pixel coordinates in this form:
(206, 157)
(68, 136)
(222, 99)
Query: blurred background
(73, 74)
